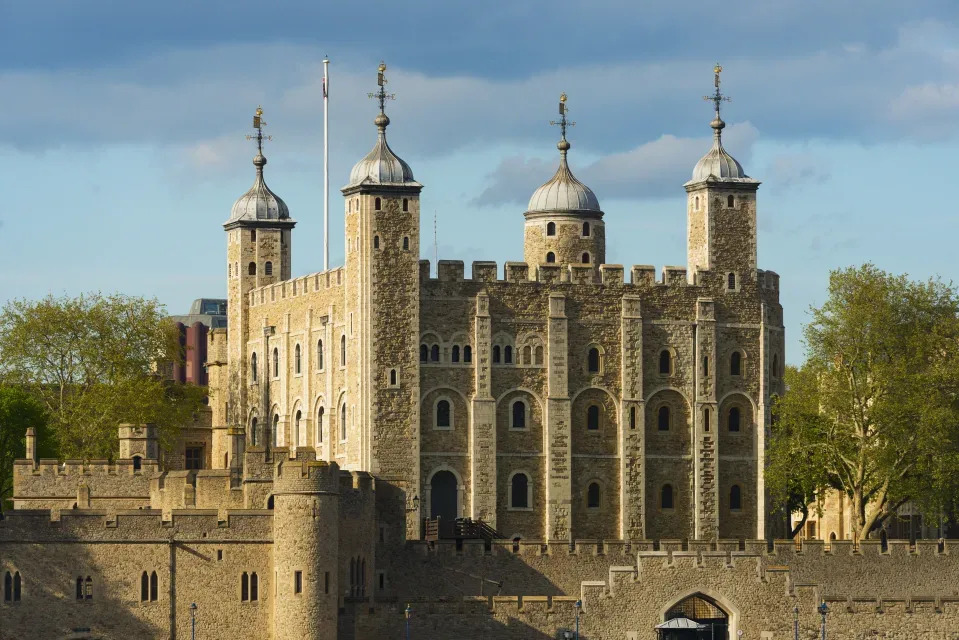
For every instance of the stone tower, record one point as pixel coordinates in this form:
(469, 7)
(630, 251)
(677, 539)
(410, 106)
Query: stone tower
(564, 224)
(258, 253)
(306, 515)
(721, 212)
(382, 329)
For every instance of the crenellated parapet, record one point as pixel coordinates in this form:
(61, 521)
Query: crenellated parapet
(297, 287)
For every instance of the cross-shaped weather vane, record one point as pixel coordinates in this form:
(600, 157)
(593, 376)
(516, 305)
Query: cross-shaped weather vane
(381, 81)
(258, 124)
(562, 122)
(717, 97)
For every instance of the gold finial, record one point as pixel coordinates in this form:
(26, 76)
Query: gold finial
(562, 122)
(382, 67)
(717, 98)
(718, 68)
(562, 97)
(381, 95)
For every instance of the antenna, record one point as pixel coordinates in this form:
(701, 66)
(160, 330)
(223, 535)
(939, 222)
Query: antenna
(436, 246)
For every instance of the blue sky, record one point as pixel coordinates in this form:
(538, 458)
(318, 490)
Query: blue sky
(123, 146)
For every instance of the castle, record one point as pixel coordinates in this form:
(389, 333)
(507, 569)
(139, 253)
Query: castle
(612, 432)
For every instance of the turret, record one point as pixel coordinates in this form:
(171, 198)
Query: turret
(381, 332)
(564, 224)
(721, 211)
(258, 253)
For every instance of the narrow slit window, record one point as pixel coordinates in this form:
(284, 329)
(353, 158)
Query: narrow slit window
(276, 363)
(376, 242)
(735, 498)
(144, 587)
(467, 353)
(406, 204)
(254, 587)
(632, 417)
(585, 258)
(539, 354)
(585, 233)
(435, 353)
(730, 201)
(735, 364)
(251, 269)
(297, 582)
(406, 243)
(443, 414)
(268, 268)
(343, 422)
(456, 354)
(319, 354)
(154, 587)
(424, 353)
(496, 352)
(665, 362)
(393, 377)
(320, 415)
(593, 360)
(666, 497)
(592, 418)
(519, 414)
(519, 491)
(508, 354)
(663, 418)
(343, 351)
(377, 204)
(527, 355)
(296, 358)
(731, 281)
(253, 367)
(592, 496)
(734, 419)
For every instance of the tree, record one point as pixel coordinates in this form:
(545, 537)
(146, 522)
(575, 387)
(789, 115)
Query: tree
(91, 363)
(874, 412)
(18, 411)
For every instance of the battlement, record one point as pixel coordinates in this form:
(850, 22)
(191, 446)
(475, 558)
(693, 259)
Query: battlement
(583, 274)
(295, 287)
(300, 472)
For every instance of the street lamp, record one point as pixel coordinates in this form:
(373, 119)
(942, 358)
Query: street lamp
(823, 610)
(414, 504)
(578, 606)
(796, 623)
(193, 621)
(408, 612)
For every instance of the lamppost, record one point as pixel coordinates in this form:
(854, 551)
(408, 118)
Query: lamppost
(823, 610)
(796, 623)
(408, 612)
(193, 621)
(578, 606)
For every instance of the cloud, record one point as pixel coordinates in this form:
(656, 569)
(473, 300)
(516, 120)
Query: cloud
(789, 170)
(653, 169)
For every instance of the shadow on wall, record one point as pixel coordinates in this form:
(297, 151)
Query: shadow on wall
(54, 605)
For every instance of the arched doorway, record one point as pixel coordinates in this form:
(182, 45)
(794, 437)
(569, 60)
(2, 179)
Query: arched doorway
(443, 498)
(696, 617)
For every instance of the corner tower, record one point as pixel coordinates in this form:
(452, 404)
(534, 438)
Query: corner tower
(721, 210)
(564, 224)
(382, 328)
(258, 253)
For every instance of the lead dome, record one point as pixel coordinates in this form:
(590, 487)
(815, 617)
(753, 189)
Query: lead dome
(259, 203)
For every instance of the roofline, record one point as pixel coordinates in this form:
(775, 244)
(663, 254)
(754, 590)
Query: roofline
(564, 213)
(285, 223)
(412, 188)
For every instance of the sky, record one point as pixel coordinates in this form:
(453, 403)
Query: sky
(124, 140)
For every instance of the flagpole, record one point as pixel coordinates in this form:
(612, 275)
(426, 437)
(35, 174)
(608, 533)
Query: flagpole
(326, 164)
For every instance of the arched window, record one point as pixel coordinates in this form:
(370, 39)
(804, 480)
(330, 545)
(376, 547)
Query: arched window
(377, 204)
(519, 415)
(592, 360)
(406, 243)
(734, 419)
(443, 415)
(376, 242)
(320, 414)
(296, 358)
(253, 431)
(731, 281)
(662, 418)
(251, 269)
(276, 363)
(268, 268)
(7, 587)
(299, 436)
(665, 362)
(730, 201)
(585, 258)
(435, 353)
(735, 364)
(508, 354)
(592, 417)
(585, 233)
(519, 491)
(551, 228)
(392, 377)
(696, 206)
(775, 367)
(144, 587)
(253, 367)
(16, 586)
(319, 354)
(252, 235)
(343, 422)
(406, 204)
(254, 587)
(527, 355)
(550, 257)
(666, 497)
(592, 496)
(424, 353)
(467, 353)
(456, 353)
(735, 498)
(343, 350)
(539, 354)
(276, 430)
(496, 354)
(154, 587)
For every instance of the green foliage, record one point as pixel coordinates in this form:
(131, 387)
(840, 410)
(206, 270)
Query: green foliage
(19, 411)
(91, 361)
(874, 412)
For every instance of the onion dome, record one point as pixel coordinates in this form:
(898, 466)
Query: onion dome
(717, 164)
(259, 203)
(381, 166)
(563, 192)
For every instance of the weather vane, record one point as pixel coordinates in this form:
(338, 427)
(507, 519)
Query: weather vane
(562, 122)
(717, 97)
(258, 124)
(381, 94)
